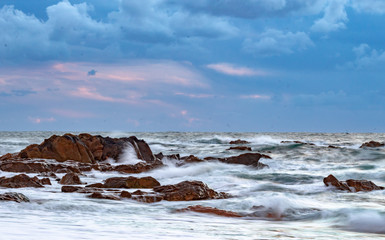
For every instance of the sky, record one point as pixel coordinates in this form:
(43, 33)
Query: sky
(202, 65)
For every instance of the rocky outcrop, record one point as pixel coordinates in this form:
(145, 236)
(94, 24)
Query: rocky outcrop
(209, 210)
(298, 142)
(351, 185)
(131, 182)
(12, 196)
(70, 179)
(188, 191)
(20, 181)
(60, 148)
(239, 141)
(99, 195)
(240, 148)
(372, 144)
(136, 168)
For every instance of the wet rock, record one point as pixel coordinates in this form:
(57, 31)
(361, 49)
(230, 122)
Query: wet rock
(239, 141)
(351, 185)
(43, 181)
(187, 191)
(372, 144)
(138, 192)
(210, 210)
(19, 181)
(8, 156)
(60, 148)
(96, 185)
(70, 188)
(125, 194)
(131, 182)
(99, 195)
(12, 196)
(191, 159)
(136, 168)
(70, 179)
(299, 142)
(249, 159)
(240, 148)
(24, 166)
(160, 156)
(332, 146)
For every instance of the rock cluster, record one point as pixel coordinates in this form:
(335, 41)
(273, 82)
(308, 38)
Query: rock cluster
(372, 144)
(351, 185)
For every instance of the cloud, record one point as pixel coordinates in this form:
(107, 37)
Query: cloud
(251, 9)
(256, 96)
(39, 120)
(366, 58)
(275, 42)
(192, 95)
(369, 6)
(68, 113)
(91, 93)
(334, 18)
(17, 93)
(91, 72)
(230, 69)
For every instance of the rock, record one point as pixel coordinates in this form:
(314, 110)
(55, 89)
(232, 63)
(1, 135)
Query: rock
(240, 148)
(363, 185)
(8, 156)
(239, 141)
(24, 166)
(372, 144)
(138, 192)
(299, 142)
(191, 159)
(187, 191)
(351, 185)
(125, 194)
(103, 196)
(331, 146)
(131, 182)
(60, 148)
(249, 159)
(70, 179)
(210, 210)
(12, 196)
(70, 188)
(43, 181)
(19, 181)
(96, 185)
(137, 168)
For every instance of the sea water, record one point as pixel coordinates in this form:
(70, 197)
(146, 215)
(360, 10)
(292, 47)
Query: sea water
(291, 190)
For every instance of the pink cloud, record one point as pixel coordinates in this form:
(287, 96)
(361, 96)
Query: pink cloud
(89, 93)
(256, 96)
(38, 120)
(72, 114)
(230, 69)
(191, 95)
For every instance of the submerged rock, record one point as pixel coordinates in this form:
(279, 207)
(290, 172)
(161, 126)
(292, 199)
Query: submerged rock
(20, 181)
(351, 185)
(103, 196)
(372, 144)
(239, 141)
(240, 148)
(12, 196)
(209, 210)
(249, 159)
(188, 191)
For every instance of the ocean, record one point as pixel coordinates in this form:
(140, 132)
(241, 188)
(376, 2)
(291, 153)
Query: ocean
(291, 190)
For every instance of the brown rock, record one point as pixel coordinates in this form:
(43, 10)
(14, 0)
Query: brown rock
(351, 185)
(372, 144)
(43, 181)
(210, 210)
(239, 141)
(137, 168)
(8, 156)
(191, 159)
(299, 142)
(138, 192)
(60, 148)
(26, 167)
(70, 188)
(12, 196)
(250, 159)
(187, 191)
(131, 182)
(70, 179)
(240, 148)
(96, 185)
(19, 181)
(103, 196)
(125, 194)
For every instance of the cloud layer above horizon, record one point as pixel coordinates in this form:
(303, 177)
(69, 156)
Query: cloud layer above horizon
(180, 65)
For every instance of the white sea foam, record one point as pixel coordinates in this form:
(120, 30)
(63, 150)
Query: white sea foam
(366, 221)
(129, 156)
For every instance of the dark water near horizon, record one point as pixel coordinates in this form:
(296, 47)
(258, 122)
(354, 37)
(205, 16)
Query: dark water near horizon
(291, 188)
